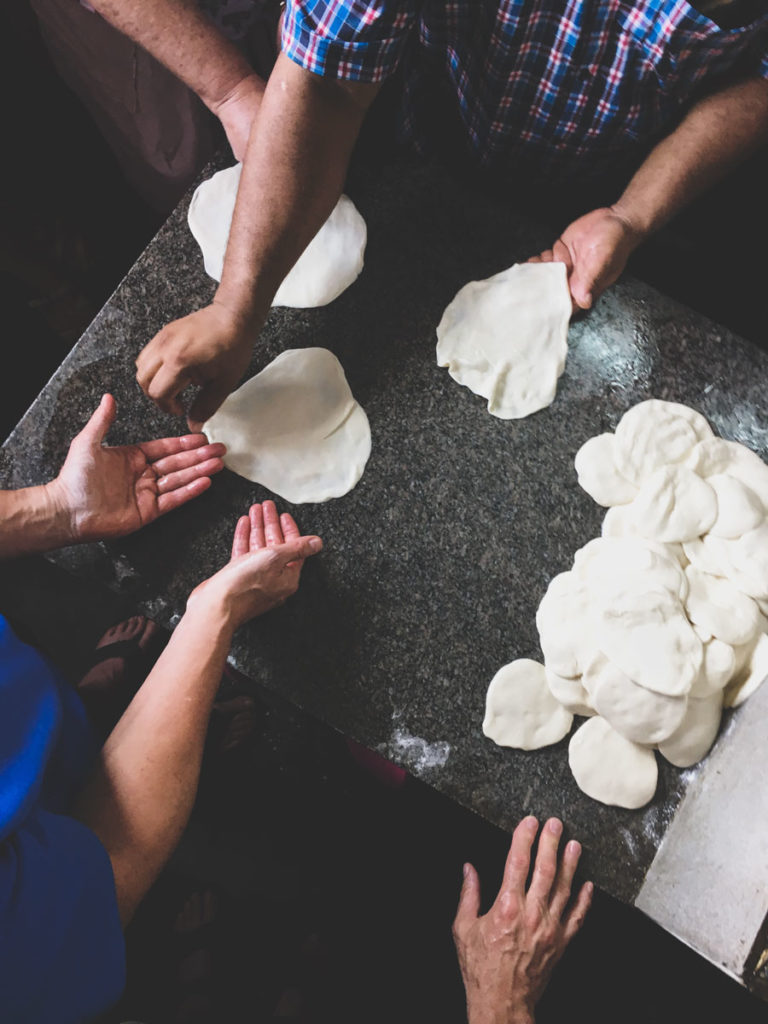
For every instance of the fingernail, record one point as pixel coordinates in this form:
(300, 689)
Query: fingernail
(555, 826)
(574, 848)
(315, 544)
(531, 822)
(465, 870)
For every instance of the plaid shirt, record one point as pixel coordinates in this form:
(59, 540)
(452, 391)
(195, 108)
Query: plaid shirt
(567, 86)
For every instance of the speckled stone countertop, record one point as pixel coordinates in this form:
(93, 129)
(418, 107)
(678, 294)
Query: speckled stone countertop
(435, 563)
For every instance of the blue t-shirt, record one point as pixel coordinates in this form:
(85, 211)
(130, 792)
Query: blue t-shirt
(62, 954)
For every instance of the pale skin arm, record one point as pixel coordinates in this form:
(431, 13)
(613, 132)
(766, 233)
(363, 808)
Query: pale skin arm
(179, 35)
(718, 133)
(293, 174)
(141, 794)
(105, 492)
(507, 955)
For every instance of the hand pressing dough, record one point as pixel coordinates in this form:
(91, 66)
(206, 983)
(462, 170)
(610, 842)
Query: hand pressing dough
(696, 733)
(674, 505)
(505, 338)
(330, 263)
(570, 693)
(295, 428)
(597, 473)
(720, 608)
(638, 714)
(654, 434)
(519, 709)
(610, 768)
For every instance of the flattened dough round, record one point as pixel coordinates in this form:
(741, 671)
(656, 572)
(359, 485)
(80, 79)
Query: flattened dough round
(717, 668)
(653, 434)
(505, 338)
(597, 473)
(564, 625)
(520, 711)
(720, 608)
(610, 768)
(751, 675)
(330, 263)
(739, 509)
(570, 693)
(295, 428)
(716, 456)
(695, 734)
(674, 505)
(637, 713)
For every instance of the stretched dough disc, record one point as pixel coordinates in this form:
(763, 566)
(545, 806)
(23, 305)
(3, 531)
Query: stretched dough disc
(695, 734)
(328, 265)
(638, 714)
(610, 768)
(653, 434)
(597, 473)
(295, 428)
(505, 338)
(563, 622)
(519, 709)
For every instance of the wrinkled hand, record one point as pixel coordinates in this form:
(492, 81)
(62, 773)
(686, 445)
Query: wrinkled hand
(210, 348)
(105, 492)
(507, 955)
(238, 110)
(595, 249)
(268, 553)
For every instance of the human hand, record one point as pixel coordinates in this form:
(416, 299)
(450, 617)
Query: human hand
(237, 112)
(506, 956)
(210, 348)
(105, 492)
(595, 249)
(268, 553)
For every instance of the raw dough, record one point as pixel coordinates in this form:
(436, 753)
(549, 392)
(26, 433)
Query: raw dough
(720, 608)
(739, 509)
(563, 622)
(570, 693)
(696, 732)
(597, 473)
(717, 668)
(674, 505)
(505, 338)
(653, 434)
(610, 768)
(716, 456)
(295, 428)
(751, 675)
(328, 265)
(519, 709)
(638, 714)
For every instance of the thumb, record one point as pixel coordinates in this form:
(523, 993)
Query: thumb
(207, 401)
(298, 549)
(469, 899)
(583, 286)
(97, 427)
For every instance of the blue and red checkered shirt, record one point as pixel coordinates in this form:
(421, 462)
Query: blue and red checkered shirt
(569, 86)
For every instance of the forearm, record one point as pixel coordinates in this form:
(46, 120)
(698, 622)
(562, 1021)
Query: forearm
(141, 794)
(718, 133)
(31, 521)
(180, 36)
(292, 177)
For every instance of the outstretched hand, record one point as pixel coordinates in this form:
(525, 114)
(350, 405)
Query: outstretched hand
(104, 492)
(595, 249)
(507, 955)
(268, 553)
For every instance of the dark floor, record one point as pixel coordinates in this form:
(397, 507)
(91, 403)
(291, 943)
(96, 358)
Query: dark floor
(295, 838)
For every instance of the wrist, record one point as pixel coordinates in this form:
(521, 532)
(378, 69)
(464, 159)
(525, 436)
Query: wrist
(248, 87)
(210, 614)
(485, 1014)
(637, 226)
(55, 511)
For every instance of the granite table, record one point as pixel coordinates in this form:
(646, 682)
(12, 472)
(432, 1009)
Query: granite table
(435, 563)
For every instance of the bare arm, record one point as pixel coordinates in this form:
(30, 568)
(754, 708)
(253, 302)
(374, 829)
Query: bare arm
(292, 176)
(718, 133)
(141, 794)
(180, 36)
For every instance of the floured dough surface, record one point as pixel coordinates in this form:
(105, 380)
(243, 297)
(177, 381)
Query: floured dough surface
(330, 263)
(610, 768)
(696, 733)
(295, 428)
(505, 338)
(520, 711)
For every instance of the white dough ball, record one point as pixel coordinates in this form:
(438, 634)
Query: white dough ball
(651, 435)
(751, 673)
(597, 473)
(717, 668)
(520, 711)
(720, 608)
(610, 768)
(739, 509)
(570, 693)
(674, 505)
(637, 713)
(716, 456)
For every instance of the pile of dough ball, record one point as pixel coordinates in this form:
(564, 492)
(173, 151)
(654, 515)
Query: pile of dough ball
(661, 622)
